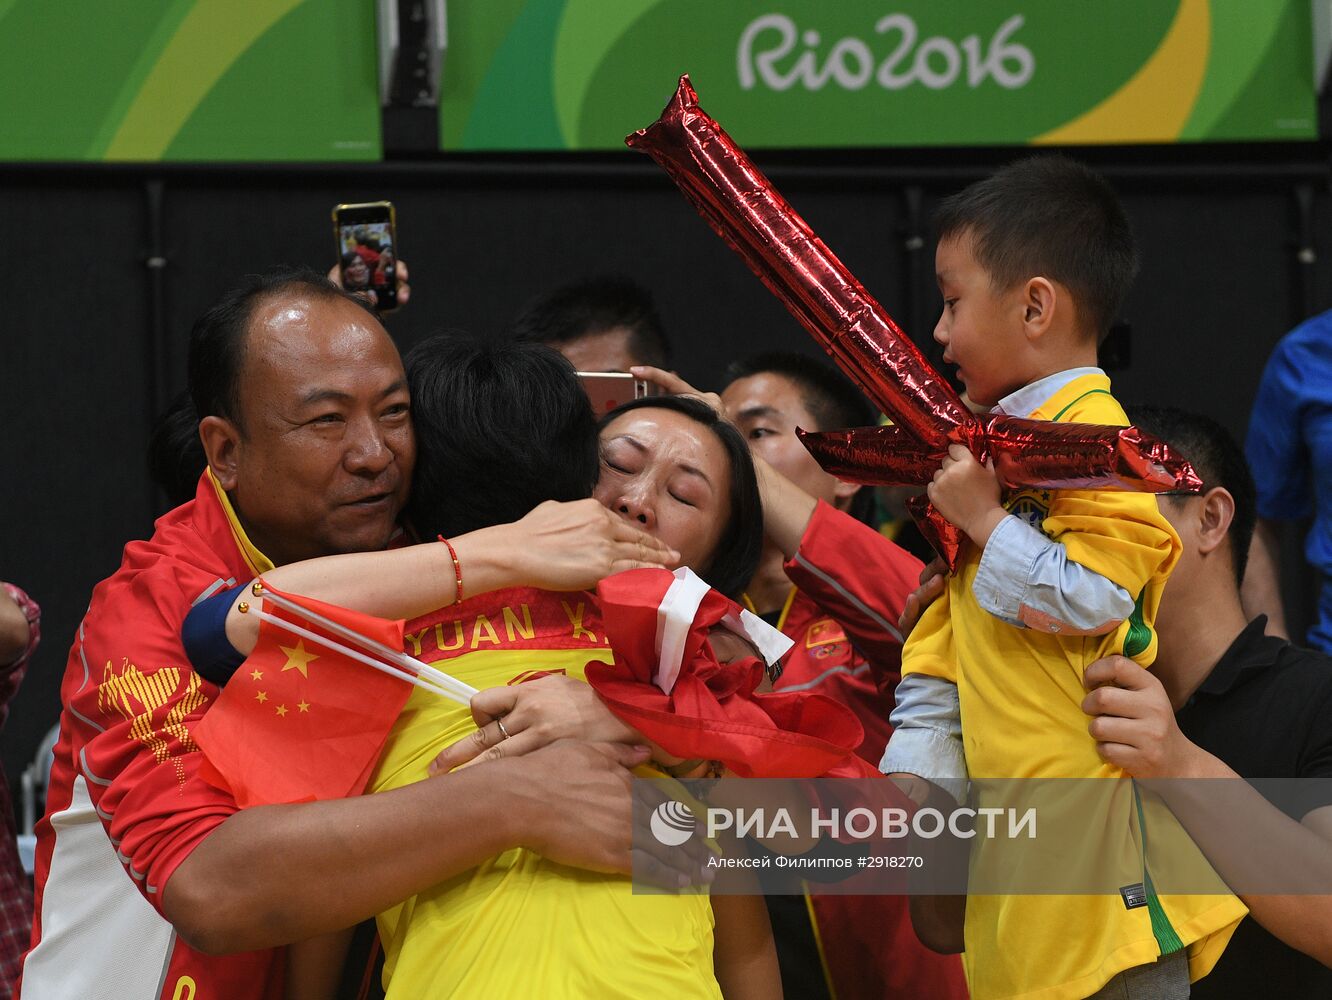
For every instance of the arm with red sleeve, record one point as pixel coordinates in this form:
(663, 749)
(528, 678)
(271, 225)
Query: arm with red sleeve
(131, 699)
(126, 792)
(861, 579)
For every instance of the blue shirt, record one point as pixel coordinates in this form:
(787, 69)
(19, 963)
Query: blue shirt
(1290, 449)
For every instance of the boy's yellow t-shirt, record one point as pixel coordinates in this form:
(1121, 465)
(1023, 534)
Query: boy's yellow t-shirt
(520, 925)
(1020, 693)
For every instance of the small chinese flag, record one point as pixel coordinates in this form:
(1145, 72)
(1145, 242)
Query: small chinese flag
(299, 721)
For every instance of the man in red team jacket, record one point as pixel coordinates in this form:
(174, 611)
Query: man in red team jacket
(306, 428)
(836, 587)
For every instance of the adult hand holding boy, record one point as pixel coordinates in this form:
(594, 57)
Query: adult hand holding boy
(1134, 724)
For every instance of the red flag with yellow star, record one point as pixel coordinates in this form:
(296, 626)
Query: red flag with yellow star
(299, 721)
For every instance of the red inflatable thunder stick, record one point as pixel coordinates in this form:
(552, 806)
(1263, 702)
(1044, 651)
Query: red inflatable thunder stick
(746, 211)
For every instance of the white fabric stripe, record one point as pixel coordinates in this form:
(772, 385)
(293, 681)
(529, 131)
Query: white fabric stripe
(1027, 400)
(772, 644)
(83, 766)
(854, 672)
(208, 592)
(166, 970)
(100, 938)
(859, 604)
(124, 859)
(675, 617)
(80, 716)
(87, 675)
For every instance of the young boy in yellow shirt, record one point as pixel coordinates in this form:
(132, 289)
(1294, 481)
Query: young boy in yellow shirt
(1033, 264)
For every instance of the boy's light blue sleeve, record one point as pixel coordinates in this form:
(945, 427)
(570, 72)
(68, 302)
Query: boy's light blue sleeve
(927, 734)
(1022, 571)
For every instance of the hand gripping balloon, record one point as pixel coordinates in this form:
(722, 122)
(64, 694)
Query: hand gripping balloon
(746, 211)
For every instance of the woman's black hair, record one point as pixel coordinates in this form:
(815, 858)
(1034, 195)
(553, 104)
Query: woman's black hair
(500, 427)
(736, 557)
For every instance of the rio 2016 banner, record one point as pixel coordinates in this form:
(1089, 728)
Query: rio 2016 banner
(579, 74)
(152, 80)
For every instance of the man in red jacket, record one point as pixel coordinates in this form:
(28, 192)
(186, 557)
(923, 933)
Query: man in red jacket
(836, 587)
(146, 874)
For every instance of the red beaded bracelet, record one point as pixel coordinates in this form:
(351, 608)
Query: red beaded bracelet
(457, 570)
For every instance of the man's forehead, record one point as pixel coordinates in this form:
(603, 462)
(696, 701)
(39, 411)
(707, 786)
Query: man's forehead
(306, 344)
(301, 324)
(767, 394)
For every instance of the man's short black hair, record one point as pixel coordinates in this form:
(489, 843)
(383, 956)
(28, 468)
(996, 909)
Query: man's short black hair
(594, 306)
(500, 427)
(736, 558)
(217, 341)
(1050, 216)
(829, 397)
(176, 457)
(1216, 458)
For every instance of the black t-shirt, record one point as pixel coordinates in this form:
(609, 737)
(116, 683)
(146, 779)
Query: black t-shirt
(1266, 711)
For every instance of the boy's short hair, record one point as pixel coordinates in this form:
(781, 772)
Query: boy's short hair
(594, 306)
(830, 398)
(1051, 216)
(1216, 458)
(500, 427)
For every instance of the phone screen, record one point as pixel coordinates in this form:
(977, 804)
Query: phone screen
(367, 251)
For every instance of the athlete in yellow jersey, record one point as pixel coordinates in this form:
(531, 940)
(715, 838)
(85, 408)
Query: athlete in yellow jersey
(520, 925)
(1032, 264)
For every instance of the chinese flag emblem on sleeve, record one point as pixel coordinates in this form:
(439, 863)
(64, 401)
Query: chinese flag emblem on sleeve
(299, 721)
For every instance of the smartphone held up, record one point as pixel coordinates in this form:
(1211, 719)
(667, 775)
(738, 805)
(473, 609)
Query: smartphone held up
(368, 250)
(607, 390)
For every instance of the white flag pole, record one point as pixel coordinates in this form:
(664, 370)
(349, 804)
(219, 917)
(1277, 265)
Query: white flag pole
(337, 647)
(397, 656)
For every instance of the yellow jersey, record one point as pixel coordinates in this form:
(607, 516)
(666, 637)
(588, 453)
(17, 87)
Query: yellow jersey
(1020, 693)
(519, 925)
